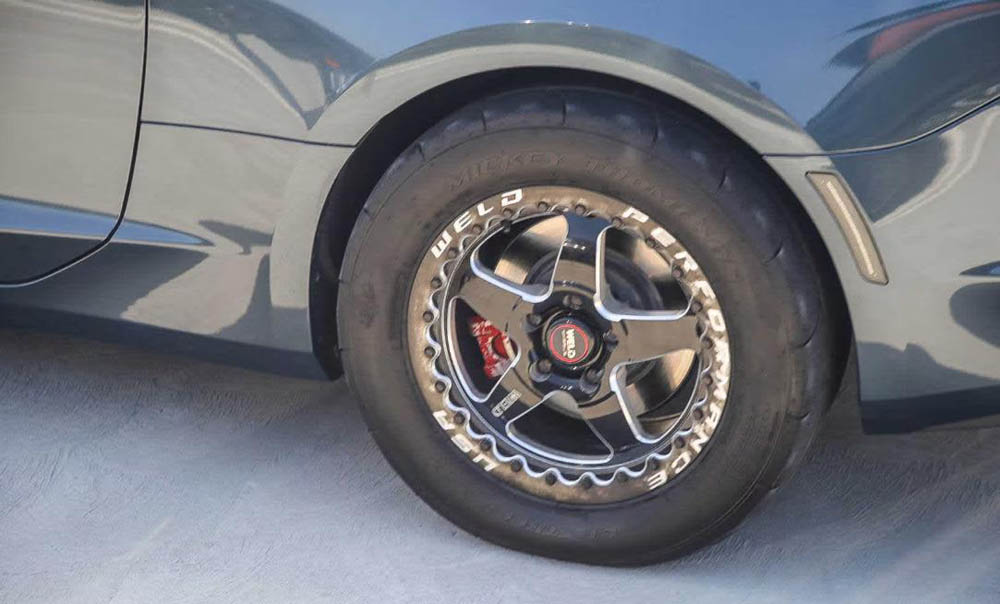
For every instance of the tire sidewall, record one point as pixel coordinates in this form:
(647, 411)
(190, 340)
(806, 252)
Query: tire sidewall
(407, 211)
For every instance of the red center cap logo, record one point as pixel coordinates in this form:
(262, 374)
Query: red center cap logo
(569, 342)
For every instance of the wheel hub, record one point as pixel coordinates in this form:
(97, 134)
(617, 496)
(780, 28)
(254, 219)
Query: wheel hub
(570, 343)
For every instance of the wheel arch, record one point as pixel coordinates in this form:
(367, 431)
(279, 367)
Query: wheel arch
(732, 106)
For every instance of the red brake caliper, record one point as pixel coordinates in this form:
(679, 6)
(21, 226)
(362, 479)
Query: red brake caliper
(494, 345)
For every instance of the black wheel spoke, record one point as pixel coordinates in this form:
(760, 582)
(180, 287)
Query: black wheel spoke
(654, 336)
(495, 299)
(581, 255)
(612, 422)
(513, 395)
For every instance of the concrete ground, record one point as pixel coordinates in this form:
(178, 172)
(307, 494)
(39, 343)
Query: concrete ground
(129, 476)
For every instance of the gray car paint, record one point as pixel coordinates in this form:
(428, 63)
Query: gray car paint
(69, 97)
(933, 329)
(852, 74)
(217, 238)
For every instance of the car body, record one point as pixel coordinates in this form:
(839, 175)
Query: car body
(186, 175)
(248, 115)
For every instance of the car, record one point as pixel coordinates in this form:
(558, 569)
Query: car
(595, 271)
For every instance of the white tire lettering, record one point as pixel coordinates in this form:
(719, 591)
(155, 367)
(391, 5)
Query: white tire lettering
(681, 462)
(662, 237)
(442, 420)
(462, 221)
(462, 443)
(634, 213)
(717, 322)
(686, 261)
(441, 245)
(656, 480)
(511, 197)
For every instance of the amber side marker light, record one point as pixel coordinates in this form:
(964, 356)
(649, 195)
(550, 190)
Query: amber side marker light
(852, 224)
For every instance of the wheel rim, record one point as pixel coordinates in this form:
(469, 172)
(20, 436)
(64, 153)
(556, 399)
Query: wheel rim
(608, 350)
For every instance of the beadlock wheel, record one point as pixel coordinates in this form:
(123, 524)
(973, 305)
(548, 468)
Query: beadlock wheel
(586, 326)
(618, 363)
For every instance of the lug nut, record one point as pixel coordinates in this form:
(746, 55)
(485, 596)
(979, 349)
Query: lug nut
(544, 366)
(573, 301)
(594, 375)
(610, 339)
(534, 319)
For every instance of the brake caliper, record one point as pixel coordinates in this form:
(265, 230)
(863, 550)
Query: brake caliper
(494, 345)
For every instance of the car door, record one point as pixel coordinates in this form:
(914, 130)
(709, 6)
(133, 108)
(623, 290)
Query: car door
(70, 81)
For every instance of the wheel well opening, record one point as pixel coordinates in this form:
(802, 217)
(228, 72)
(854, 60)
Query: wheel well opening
(395, 132)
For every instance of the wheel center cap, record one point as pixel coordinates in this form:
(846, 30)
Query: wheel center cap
(569, 342)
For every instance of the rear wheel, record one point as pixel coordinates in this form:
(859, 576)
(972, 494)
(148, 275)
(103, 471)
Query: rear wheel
(584, 326)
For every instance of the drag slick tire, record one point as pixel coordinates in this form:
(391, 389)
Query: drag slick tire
(585, 325)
